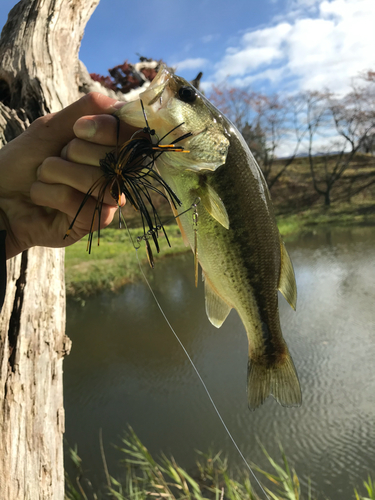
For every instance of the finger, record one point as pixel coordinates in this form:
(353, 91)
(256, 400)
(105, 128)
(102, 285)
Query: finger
(57, 129)
(55, 170)
(68, 200)
(103, 129)
(79, 151)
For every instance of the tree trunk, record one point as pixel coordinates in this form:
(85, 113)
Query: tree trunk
(327, 197)
(39, 74)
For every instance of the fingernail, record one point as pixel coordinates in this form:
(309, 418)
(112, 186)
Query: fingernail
(85, 129)
(119, 104)
(63, 153)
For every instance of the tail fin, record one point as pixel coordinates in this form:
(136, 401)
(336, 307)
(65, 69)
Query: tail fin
(280, 380)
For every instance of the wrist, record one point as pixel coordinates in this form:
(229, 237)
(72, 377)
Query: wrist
(11, 245)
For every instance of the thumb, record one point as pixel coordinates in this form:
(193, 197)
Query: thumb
(56, 129)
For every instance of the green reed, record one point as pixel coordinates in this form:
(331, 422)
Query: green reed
(145, 478)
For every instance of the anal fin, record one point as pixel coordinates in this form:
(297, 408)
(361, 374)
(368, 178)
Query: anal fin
(287, 280)
(216, 308)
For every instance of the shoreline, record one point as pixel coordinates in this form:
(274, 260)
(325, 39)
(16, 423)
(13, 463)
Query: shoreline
(114, 263)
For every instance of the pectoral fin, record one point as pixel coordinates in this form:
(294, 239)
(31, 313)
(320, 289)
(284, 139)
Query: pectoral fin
(287, 280)
(213, 204)
(216, 308)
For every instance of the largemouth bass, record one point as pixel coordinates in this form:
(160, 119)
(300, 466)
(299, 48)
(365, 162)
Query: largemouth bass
(243, 259)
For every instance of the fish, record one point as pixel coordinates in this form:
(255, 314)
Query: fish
(234, 234)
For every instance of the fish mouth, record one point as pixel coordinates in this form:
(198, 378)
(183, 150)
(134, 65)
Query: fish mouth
(162, 77)
(154, 96)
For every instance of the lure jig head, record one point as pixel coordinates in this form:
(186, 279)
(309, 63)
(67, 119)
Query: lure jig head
(130, 170)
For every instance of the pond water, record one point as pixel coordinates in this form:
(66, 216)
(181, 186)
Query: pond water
(126, 368)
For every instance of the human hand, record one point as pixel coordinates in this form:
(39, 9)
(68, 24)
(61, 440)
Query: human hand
(40, 192)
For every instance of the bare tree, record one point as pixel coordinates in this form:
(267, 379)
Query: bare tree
(330, 129)
(235, 103)
(265, 121)
(348, 122)
(264, 134)
(317, 119)
(278, 118)
(39, 73)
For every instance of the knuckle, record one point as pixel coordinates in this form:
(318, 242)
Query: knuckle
(97, 102)
(67, 153)
(91, 98)
(65, 195)
(46, 169)
(40, 123)
(41, 172)
(37, 193)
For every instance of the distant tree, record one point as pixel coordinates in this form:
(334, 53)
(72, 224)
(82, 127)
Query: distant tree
(368, 144)
(276, 120)
(127, 76)
(349, 120)
(237, 104)
(267, 132)
(255, 138)
(264, 121)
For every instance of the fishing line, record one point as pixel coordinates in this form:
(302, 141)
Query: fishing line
(202, 382)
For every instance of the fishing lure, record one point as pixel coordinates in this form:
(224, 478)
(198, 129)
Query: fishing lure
(130, 170)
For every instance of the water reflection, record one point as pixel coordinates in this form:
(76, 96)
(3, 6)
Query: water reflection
(126, 367)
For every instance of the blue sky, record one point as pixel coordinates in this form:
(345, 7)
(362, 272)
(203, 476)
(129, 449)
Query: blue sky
(277, 45)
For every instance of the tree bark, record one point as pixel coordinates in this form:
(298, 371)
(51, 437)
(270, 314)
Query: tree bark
(39, 74)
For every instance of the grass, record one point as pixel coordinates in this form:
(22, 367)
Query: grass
(145, 478)
(113, 263)
(353, 214)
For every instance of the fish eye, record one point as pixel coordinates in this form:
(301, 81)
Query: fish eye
(187, 94)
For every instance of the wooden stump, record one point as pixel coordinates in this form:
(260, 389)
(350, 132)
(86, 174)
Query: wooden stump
(39, 74)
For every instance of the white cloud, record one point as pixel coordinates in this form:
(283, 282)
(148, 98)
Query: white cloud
(206, 86)
(303, 4)
(192, 63)
(268, 36)
(258, 48)
(315, 51)
(321, 145)
(274, 75)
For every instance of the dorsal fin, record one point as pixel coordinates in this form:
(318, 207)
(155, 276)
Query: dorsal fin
(287, 280)
(216, 308)
(213, 204)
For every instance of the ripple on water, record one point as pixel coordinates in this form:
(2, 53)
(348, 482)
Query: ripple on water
(126, 367)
